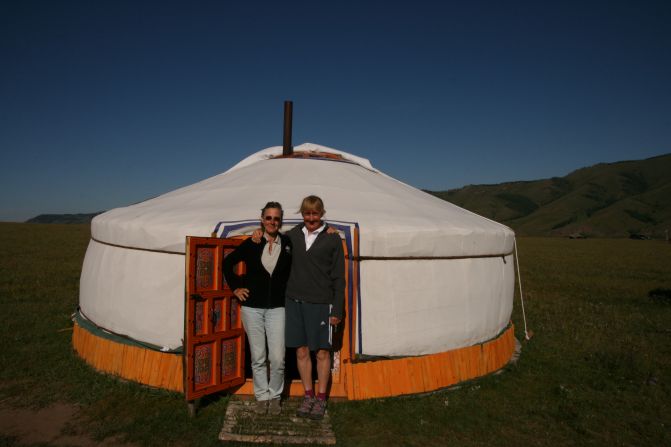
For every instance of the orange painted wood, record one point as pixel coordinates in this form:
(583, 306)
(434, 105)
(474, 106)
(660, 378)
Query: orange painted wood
(412, 375)
(129, 362)
(349, 385)
(154, 371)
(367, 380)
(397, 373)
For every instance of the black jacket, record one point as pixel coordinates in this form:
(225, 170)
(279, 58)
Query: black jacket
(318, 274)
(265, 291)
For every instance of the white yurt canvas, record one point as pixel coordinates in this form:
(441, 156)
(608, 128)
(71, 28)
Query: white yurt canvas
(432, 276)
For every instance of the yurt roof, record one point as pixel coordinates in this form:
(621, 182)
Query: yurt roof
(395, 219)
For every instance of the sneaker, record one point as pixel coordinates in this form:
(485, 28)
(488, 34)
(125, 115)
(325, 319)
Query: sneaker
(260, 407)
(274, 407)
(305, 407)
(318, 409)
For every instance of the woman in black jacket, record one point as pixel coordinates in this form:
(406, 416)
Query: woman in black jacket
(261, 293)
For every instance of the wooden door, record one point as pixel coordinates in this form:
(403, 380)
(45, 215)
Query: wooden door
(214, 338)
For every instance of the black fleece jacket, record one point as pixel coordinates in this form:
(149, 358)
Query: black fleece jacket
(265, 291)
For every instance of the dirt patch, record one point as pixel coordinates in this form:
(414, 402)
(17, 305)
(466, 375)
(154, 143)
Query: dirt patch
(53, 425)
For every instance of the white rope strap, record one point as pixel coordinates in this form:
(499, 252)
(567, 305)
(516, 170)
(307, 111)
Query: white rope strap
(527, 335)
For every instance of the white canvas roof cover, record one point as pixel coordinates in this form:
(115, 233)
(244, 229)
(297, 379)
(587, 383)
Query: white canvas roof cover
(396, 220)
(432, 277)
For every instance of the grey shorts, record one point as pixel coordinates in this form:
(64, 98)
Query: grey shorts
(307, 324)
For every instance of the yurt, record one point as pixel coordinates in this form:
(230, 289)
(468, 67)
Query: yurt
(429, 285)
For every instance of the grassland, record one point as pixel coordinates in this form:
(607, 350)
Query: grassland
(596, 372)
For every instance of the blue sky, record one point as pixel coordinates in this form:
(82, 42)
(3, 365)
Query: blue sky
(107, 103)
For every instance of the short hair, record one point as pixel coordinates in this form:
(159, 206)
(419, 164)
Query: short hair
(272, 205)
(311, 203)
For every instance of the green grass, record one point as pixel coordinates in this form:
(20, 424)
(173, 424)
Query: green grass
(596, 372)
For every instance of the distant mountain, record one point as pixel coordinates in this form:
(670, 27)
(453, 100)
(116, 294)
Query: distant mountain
(64, 218)
(620, 199)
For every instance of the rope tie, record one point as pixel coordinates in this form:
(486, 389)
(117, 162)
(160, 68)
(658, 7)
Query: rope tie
(527, 334)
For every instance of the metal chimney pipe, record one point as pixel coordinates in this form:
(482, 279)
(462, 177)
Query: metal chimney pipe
(287, 149)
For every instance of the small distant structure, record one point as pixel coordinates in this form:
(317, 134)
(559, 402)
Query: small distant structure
(578, 235)
(639, 236)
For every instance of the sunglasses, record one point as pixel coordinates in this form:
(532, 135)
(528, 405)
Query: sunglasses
(273, 218)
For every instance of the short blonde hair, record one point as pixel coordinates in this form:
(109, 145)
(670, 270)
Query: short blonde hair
(312, 203)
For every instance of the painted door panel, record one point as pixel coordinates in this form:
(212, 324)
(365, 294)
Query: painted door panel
(214, 337)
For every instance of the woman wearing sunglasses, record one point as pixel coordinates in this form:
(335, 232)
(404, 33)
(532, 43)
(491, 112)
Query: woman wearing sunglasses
(261, 293)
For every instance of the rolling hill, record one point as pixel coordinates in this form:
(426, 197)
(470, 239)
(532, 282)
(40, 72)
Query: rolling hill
(605, 200)
(64, 218)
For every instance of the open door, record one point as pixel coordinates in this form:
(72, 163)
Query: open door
(214, 339)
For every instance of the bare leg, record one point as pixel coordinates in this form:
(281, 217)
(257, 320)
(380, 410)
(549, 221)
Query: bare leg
(304, 364)
(323, 369)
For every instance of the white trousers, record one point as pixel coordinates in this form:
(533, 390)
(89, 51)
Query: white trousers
(266, 326)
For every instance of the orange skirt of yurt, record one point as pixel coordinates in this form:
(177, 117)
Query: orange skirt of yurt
(357, 380)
